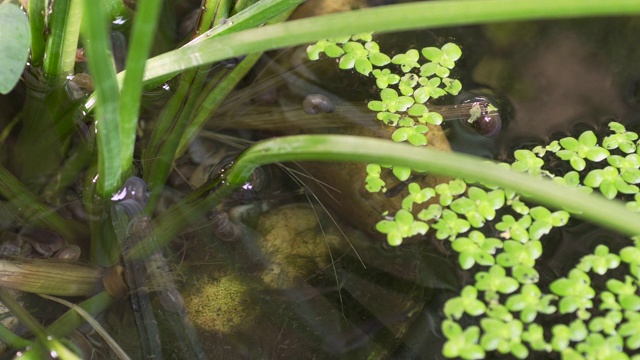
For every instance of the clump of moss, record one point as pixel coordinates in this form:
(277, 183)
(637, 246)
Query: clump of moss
(222, 305)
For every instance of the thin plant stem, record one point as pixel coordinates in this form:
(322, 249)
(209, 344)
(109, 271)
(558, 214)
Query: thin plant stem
(60, 51)
(34, 326)
(32, 211)
(146, 19)
(215, 97)
(107, 113)
(37, 13)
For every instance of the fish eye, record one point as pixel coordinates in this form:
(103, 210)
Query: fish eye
(487, 114)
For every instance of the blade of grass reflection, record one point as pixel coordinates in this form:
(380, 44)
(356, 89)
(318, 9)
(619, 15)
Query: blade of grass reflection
(151, 273)
(70, 320)
(162, 148)
(11, 339)
(194, 118)
(213, 97)
(42, 335)
(34, 212)
(94, 324)
(135, 275)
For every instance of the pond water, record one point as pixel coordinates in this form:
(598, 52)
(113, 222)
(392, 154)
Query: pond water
(557, 79)
(279, 270)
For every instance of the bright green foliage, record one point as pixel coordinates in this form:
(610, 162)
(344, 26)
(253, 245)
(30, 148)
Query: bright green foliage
(534, 336)
(606, 324)
(628, 167)
(515, 229)
(448, 191)
(597, 346)
(479, 206)
(467, 302)
(461, 343)
(575, 293)
(529, 302)
(391, 102)
(630, 329)
(416, 195)
(403, 226)
(545, 220)
(576, 150)
(521, 257)
(609, 182)
(600, 261)
(408, 60)
(449, 225)
(384, 78)
(504, 337)
(414, 135)
(527, 161)
(495, 281)
(621, 139)
(476, 249)
(373, 183)
(563, 334)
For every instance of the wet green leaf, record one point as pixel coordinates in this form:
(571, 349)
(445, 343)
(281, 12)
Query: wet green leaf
(14, 45)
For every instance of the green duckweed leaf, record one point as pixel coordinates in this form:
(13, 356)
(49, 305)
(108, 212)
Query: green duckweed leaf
(408, 60)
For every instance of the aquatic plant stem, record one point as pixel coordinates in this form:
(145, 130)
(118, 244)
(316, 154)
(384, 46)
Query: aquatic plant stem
(32, 211)
(37, 13)
(107, 113)
(343, 148)
(51, 344)
(146, 19)
(60, 51)
(593, 208)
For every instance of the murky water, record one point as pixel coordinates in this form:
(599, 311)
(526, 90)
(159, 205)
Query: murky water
(282, 275)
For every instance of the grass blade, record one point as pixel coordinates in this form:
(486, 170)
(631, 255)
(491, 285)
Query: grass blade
(36, 23)
(60, 51)
(385, 18)
(344, 148)
(142, 34)
(106, 112)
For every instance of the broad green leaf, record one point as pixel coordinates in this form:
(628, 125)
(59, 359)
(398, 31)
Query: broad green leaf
(14, 45)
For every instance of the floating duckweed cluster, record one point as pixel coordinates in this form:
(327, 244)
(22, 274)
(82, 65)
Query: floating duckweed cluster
(505, 303)
(407, 81)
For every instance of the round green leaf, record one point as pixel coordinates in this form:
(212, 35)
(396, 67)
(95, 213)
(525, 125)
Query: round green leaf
(14, 45)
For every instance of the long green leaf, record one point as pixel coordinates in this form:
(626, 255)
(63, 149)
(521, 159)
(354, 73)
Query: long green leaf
(142, 36)
(37, 13)
(60, 51)
(104, 77)
(342, 148)
(386, 18)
